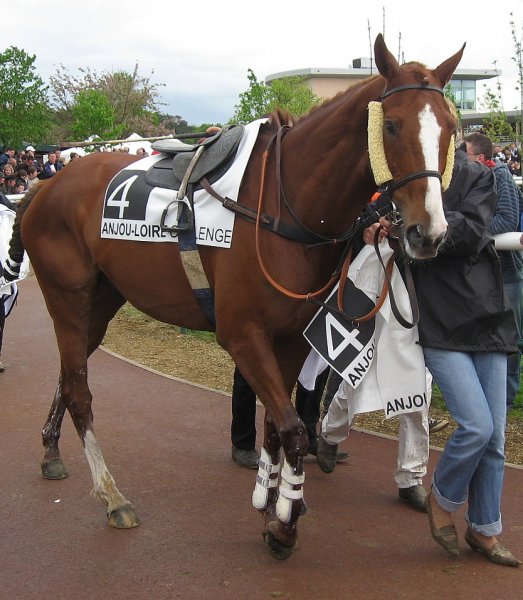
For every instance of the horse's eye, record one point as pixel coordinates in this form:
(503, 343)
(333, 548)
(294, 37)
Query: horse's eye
(390, 128)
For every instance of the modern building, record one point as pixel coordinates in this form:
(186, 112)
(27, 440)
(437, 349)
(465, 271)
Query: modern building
(326, 83)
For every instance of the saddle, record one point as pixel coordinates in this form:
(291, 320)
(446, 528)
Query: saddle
(189, 163)
(182, 170)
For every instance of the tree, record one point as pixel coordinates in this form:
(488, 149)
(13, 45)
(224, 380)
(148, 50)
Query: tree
(133, 99)
(288, 93)
(518, 59)
(254, 102)
(291, 94)
(93, 114)
(496, 125)
(24, 115)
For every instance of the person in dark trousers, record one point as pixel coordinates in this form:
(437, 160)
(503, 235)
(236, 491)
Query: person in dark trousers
(243, 424)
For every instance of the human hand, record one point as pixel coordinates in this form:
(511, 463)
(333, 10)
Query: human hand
(369, 233)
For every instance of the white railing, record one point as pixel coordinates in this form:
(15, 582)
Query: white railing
(14, 198)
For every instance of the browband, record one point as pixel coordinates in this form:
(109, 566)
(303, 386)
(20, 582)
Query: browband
(413, 86)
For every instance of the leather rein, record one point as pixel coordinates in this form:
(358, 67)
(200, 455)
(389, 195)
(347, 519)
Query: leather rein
(302, 234)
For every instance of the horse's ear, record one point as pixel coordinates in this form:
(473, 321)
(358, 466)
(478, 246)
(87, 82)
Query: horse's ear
(386, 63)
(445, 70)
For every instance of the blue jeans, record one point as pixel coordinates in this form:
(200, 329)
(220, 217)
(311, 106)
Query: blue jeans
(473, 461)
(513, 291)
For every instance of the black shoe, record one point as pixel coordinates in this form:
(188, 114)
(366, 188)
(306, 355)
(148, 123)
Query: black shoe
(245, 458)
(327, 455)
(437, 425)
(415, 496)
(313, 450)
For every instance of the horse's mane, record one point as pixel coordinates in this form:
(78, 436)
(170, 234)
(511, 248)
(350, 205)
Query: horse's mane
(344, 94)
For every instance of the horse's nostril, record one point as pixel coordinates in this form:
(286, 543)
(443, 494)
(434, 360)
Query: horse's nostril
(415, 235)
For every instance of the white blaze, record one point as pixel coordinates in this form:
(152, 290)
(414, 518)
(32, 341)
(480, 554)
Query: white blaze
(429, 137)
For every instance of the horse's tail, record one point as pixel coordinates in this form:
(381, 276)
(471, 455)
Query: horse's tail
(16, 247)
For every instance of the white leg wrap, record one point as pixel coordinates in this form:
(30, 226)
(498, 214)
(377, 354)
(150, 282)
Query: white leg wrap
(288, 493)
(266, 478)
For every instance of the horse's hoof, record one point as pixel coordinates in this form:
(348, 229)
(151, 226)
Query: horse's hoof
(54, 469)
(277, 547)
(304, 508)
(123, 517)
(278, 550)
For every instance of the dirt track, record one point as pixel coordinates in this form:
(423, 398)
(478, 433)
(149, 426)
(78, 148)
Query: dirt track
(167, 445)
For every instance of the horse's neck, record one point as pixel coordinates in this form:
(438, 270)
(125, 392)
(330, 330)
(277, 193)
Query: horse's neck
(328, 153)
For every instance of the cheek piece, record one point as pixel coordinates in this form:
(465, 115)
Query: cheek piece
(378, 160)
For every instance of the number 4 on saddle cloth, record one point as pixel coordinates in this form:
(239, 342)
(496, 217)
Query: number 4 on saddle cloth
(152, 200)
(159, 199)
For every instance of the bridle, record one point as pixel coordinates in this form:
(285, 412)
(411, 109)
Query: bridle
(392, 186)
(387, 190)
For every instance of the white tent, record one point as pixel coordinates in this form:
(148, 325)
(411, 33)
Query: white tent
(67, 153)
(133, 142)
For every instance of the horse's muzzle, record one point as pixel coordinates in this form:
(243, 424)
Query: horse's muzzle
(420, 245)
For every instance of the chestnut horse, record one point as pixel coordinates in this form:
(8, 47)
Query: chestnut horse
(323, 172)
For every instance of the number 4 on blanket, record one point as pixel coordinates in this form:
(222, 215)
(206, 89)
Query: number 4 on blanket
(347, 347)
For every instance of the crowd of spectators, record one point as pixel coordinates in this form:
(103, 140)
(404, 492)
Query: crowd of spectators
(19, 171)
(509, 155)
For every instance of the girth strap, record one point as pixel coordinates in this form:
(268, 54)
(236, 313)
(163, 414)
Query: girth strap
(194, 271)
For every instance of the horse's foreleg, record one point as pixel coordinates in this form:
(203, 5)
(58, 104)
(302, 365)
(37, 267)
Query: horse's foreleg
(281, 506)
(53, 466)
(265, 492)
(278, 498)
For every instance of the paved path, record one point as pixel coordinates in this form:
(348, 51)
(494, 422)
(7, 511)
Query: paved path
(167, 445)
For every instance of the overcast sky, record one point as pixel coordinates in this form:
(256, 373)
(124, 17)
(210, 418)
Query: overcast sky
(201, 49)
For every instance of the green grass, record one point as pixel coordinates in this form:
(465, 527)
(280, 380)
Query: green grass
(130, 313)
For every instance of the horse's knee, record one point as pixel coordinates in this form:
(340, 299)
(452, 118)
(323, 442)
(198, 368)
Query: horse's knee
(294, 439)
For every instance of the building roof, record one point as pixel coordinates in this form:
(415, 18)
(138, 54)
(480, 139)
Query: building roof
(362, 72)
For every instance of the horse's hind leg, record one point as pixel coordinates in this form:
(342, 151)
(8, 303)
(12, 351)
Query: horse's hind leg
(105, 305)
(53, 466)
(73, 391)
(120, 512)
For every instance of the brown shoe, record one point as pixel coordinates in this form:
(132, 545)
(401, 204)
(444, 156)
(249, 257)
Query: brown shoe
(497, 554)
(2, 367)
(447, 536)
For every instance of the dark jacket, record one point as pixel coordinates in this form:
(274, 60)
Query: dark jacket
(507, 219)
(460, 291)
(6, 202)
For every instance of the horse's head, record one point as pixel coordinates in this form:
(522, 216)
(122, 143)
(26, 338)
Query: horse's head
(416, 126)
